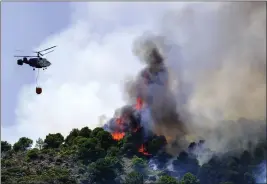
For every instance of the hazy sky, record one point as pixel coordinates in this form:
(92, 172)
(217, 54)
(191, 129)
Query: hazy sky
(93, 57)
(24, 26)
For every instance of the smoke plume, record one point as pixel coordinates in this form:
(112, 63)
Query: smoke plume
(204, 75)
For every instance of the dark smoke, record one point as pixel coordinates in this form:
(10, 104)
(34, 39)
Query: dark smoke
(152, 85)
(204, 75)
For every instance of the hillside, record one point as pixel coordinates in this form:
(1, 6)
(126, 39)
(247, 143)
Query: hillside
(95, 156)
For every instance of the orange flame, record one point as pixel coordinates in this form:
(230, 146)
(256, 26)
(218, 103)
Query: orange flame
(143, 150)
(118, 135)
(139, 103)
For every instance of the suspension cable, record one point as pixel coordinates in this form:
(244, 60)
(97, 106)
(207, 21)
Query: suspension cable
(37, 77)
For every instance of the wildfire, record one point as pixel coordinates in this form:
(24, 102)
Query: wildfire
(143, 150)
(139, 103)
(118, 135)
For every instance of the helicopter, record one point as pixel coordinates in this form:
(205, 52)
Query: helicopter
(36, 61)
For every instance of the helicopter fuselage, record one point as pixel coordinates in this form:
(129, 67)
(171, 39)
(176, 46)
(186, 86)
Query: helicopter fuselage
(35, 62)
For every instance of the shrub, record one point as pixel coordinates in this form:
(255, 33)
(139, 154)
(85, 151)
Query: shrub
(33, 154)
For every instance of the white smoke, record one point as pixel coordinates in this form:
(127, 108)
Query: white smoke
(215, 56)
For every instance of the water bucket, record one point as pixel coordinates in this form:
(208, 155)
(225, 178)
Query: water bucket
(38, 90)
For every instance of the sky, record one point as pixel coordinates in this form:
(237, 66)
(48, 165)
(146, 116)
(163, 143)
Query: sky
(23, 27)
(93, 57)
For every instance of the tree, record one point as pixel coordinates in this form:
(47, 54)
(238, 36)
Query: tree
(78, 141)
(129, 149)
(5, 146)
(89, 151)
(102, 171)
(85, 132)
(113, 151)
(183, 156)
(156, 144)
(165, 179)
(73, 134)
(105, 139)
(128, 138)
(53, 140)
(96, 130)
(39, 143)
(184, 160)
(134, 178)
(115, 162)
(189, 178)
(23, 144)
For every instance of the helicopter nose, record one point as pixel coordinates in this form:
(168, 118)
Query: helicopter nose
(48, 63)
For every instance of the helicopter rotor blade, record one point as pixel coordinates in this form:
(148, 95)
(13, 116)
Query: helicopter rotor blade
(48, 52)
(25, 56)
(45, 49)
